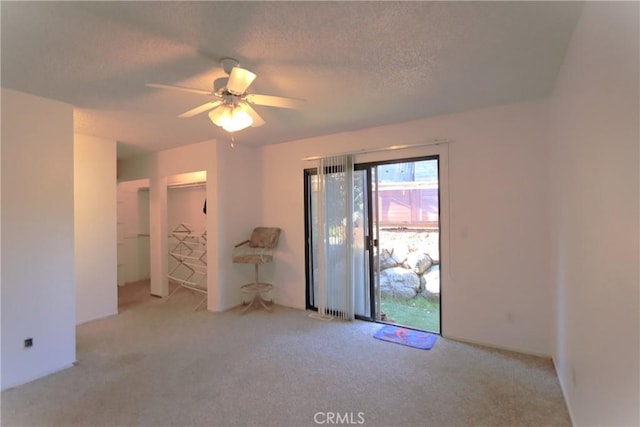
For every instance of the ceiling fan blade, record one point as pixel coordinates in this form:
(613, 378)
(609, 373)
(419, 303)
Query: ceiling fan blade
(257, 120)
(275, 101)
(200, 109)
(180, 88)
(239, 80)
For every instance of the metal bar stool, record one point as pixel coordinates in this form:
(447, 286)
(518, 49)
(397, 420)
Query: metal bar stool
(257, 250)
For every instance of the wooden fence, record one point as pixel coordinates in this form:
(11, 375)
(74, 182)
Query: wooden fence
(405, 204)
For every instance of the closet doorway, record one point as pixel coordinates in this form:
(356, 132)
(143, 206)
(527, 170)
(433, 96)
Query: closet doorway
(133, 242)
(187, 235)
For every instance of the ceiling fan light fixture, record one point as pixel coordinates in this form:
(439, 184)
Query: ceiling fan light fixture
(239, 80)
(231, 118)
(231, 107)
(238, 120)
(216, 115)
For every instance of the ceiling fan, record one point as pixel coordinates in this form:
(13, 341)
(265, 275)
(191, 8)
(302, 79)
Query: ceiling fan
(232, 107)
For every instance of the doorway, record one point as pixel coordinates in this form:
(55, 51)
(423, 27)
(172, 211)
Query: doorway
(133, 243)
(396, 242)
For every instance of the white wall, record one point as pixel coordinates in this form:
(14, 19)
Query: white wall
(233, 209)
(497, 288)
(184, 205)
(95, 227)
(38, 272)
(595, 194)
(239, 211)
(1, 299)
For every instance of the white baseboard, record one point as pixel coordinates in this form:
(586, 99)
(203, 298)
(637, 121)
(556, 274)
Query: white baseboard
(499, 347)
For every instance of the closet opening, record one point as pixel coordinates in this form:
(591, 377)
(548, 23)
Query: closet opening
(133, 242)
(187, 236)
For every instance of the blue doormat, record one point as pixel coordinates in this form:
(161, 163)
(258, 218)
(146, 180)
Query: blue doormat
(404, 336)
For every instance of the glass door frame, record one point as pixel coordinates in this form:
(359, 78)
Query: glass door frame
(308, 244)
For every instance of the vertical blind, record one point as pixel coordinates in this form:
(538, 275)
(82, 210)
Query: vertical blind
(335, 226)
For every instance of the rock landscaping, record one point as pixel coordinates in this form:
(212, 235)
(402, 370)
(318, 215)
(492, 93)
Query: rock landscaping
(409, 264)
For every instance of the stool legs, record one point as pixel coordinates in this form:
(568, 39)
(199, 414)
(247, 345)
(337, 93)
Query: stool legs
(257, 289)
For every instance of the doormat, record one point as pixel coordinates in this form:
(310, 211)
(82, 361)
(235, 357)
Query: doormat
(408, 337)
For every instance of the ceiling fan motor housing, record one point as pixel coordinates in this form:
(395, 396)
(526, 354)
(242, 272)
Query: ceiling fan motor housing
(231, 99)
(220, 84)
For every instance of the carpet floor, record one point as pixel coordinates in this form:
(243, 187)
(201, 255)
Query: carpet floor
(159, 363)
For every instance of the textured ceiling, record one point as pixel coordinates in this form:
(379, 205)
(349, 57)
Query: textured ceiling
(358, 64)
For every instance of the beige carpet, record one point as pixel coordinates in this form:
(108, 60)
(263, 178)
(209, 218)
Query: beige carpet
(159, 363)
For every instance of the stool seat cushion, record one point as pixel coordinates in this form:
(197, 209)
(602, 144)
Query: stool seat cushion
(247, 255)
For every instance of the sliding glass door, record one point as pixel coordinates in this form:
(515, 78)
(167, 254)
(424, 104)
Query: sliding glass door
(359, 239)
(407, 219)
(395, 238)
